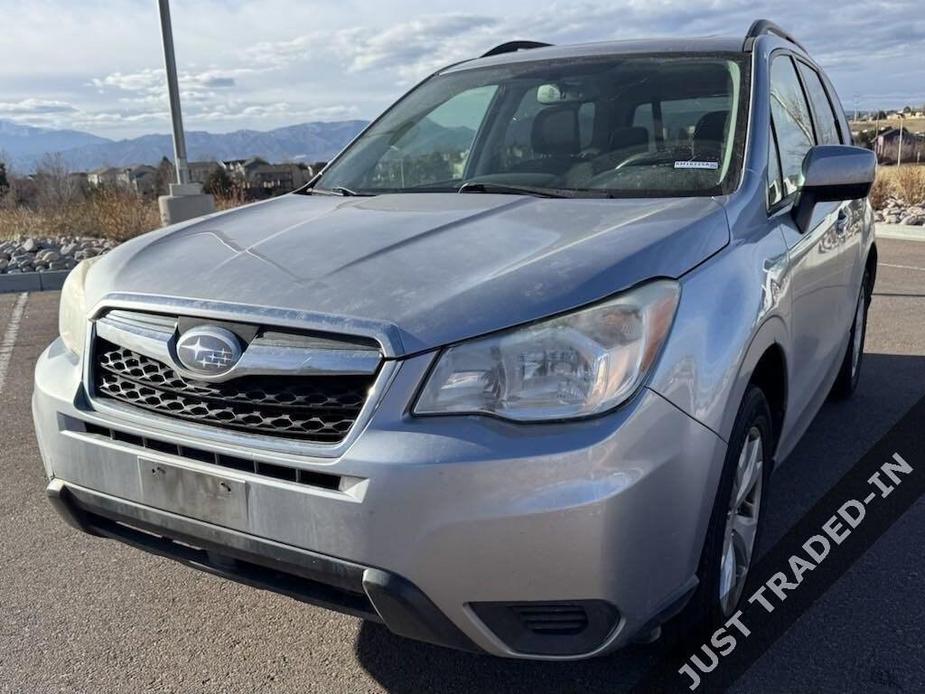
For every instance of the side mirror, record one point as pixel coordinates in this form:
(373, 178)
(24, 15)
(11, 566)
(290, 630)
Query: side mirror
(833, 173)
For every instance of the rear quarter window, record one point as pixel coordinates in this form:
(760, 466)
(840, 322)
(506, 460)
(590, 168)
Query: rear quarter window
(823, 113)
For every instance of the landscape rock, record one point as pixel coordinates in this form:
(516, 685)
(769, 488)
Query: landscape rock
(50, 256)
(898, 211)
(40, 254)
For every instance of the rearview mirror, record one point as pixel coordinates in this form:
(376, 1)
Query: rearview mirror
(548, 94)
(833, 173)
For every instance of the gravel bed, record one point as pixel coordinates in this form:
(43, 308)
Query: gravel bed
(897, 211)
(41, 254)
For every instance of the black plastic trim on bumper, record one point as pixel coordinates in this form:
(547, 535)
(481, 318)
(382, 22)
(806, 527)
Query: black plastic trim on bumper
(550, 628)
(318, 579)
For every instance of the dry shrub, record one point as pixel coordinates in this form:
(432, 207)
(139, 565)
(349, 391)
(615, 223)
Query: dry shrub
(111, 214)
(880, 191)
(233, 198)
(906, 182)
(909, 183)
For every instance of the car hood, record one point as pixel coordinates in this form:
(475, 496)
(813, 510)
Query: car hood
(420, 271)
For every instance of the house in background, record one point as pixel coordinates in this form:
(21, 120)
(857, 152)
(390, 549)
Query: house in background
(199, 171)
(259, 178)
(239, 169)
(886, 146)
(256, 177)
(141, 179)
(278, 177)
(105, 176)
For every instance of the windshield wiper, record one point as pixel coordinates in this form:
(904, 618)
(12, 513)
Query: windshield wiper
(486, 187)
(337, 190)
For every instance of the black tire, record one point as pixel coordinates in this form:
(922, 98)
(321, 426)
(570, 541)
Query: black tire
(704, 609)
(849, 375)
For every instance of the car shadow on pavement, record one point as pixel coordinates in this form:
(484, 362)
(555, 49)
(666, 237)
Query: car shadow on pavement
(839, 436)
(402, 665)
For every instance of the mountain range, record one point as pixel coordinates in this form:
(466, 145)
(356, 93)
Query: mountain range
(23, 146)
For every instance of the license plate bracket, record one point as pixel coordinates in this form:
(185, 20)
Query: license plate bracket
(219, 499)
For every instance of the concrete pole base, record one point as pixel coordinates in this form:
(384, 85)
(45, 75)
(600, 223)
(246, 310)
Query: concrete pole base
(186, 201)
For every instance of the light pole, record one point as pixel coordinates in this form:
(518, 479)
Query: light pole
(173, 93)
(899, 152)
(186, 200)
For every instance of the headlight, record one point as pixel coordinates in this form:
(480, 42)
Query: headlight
(576, 365)
(72, 314)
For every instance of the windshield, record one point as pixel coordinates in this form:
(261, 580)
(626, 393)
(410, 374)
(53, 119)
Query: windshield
(638, 126)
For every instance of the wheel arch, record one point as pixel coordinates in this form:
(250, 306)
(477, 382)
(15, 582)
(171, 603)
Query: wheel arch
(765, 365)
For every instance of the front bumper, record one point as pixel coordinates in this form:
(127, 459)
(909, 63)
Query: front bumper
(443, 516)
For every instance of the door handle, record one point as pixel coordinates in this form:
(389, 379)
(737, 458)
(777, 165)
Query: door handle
(841, 222)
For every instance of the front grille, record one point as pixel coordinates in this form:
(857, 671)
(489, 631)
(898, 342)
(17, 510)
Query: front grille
(311, 478)
(314, 408)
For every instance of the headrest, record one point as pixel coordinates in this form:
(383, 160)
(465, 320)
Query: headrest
(711, 126)
(555, 131)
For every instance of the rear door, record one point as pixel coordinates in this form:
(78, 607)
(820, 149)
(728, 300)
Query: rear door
(851, 212)
(817, 262)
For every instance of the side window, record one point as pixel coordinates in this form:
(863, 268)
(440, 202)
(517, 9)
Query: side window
(792, 121)
(452, 126)
(826, 124)
(775, 186)
(643, 118)
(586, 123)
(702, 120)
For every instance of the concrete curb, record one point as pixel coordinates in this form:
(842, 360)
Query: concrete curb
(900, 231)
(33, 281)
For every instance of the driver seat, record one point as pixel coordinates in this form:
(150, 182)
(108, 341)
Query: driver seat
(555, 140)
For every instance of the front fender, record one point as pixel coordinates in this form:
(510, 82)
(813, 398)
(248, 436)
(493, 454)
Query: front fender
(732, 309)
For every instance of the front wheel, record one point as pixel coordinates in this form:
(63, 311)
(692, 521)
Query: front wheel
(735, 522)
(850, 373)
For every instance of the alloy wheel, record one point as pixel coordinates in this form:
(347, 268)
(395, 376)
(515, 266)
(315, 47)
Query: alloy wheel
(741, 521)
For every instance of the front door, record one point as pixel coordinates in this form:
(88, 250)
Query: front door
(819, 262)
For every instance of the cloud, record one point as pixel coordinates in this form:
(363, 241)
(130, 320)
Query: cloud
(218, 82)
(33, 107)
(273, 63)
(154, 79)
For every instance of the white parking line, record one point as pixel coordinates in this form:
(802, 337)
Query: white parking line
(9, 338)
(902, 267)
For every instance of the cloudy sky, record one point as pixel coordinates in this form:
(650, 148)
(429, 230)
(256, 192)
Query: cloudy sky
(96, 65)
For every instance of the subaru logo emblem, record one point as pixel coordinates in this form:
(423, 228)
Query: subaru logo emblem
(208, 350)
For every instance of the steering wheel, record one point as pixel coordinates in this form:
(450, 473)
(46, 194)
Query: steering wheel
(654, 159)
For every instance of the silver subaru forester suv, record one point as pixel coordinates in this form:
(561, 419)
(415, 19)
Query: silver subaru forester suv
(511, 373)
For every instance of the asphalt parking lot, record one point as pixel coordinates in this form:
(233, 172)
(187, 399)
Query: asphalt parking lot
(79, 614)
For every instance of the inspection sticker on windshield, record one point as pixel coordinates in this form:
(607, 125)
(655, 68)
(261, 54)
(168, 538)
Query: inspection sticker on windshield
(711, 165)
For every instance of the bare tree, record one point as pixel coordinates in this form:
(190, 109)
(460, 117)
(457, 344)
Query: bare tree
(55, 187)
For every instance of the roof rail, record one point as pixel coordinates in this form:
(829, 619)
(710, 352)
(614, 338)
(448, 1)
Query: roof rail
(514, 46)
(766, 26)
